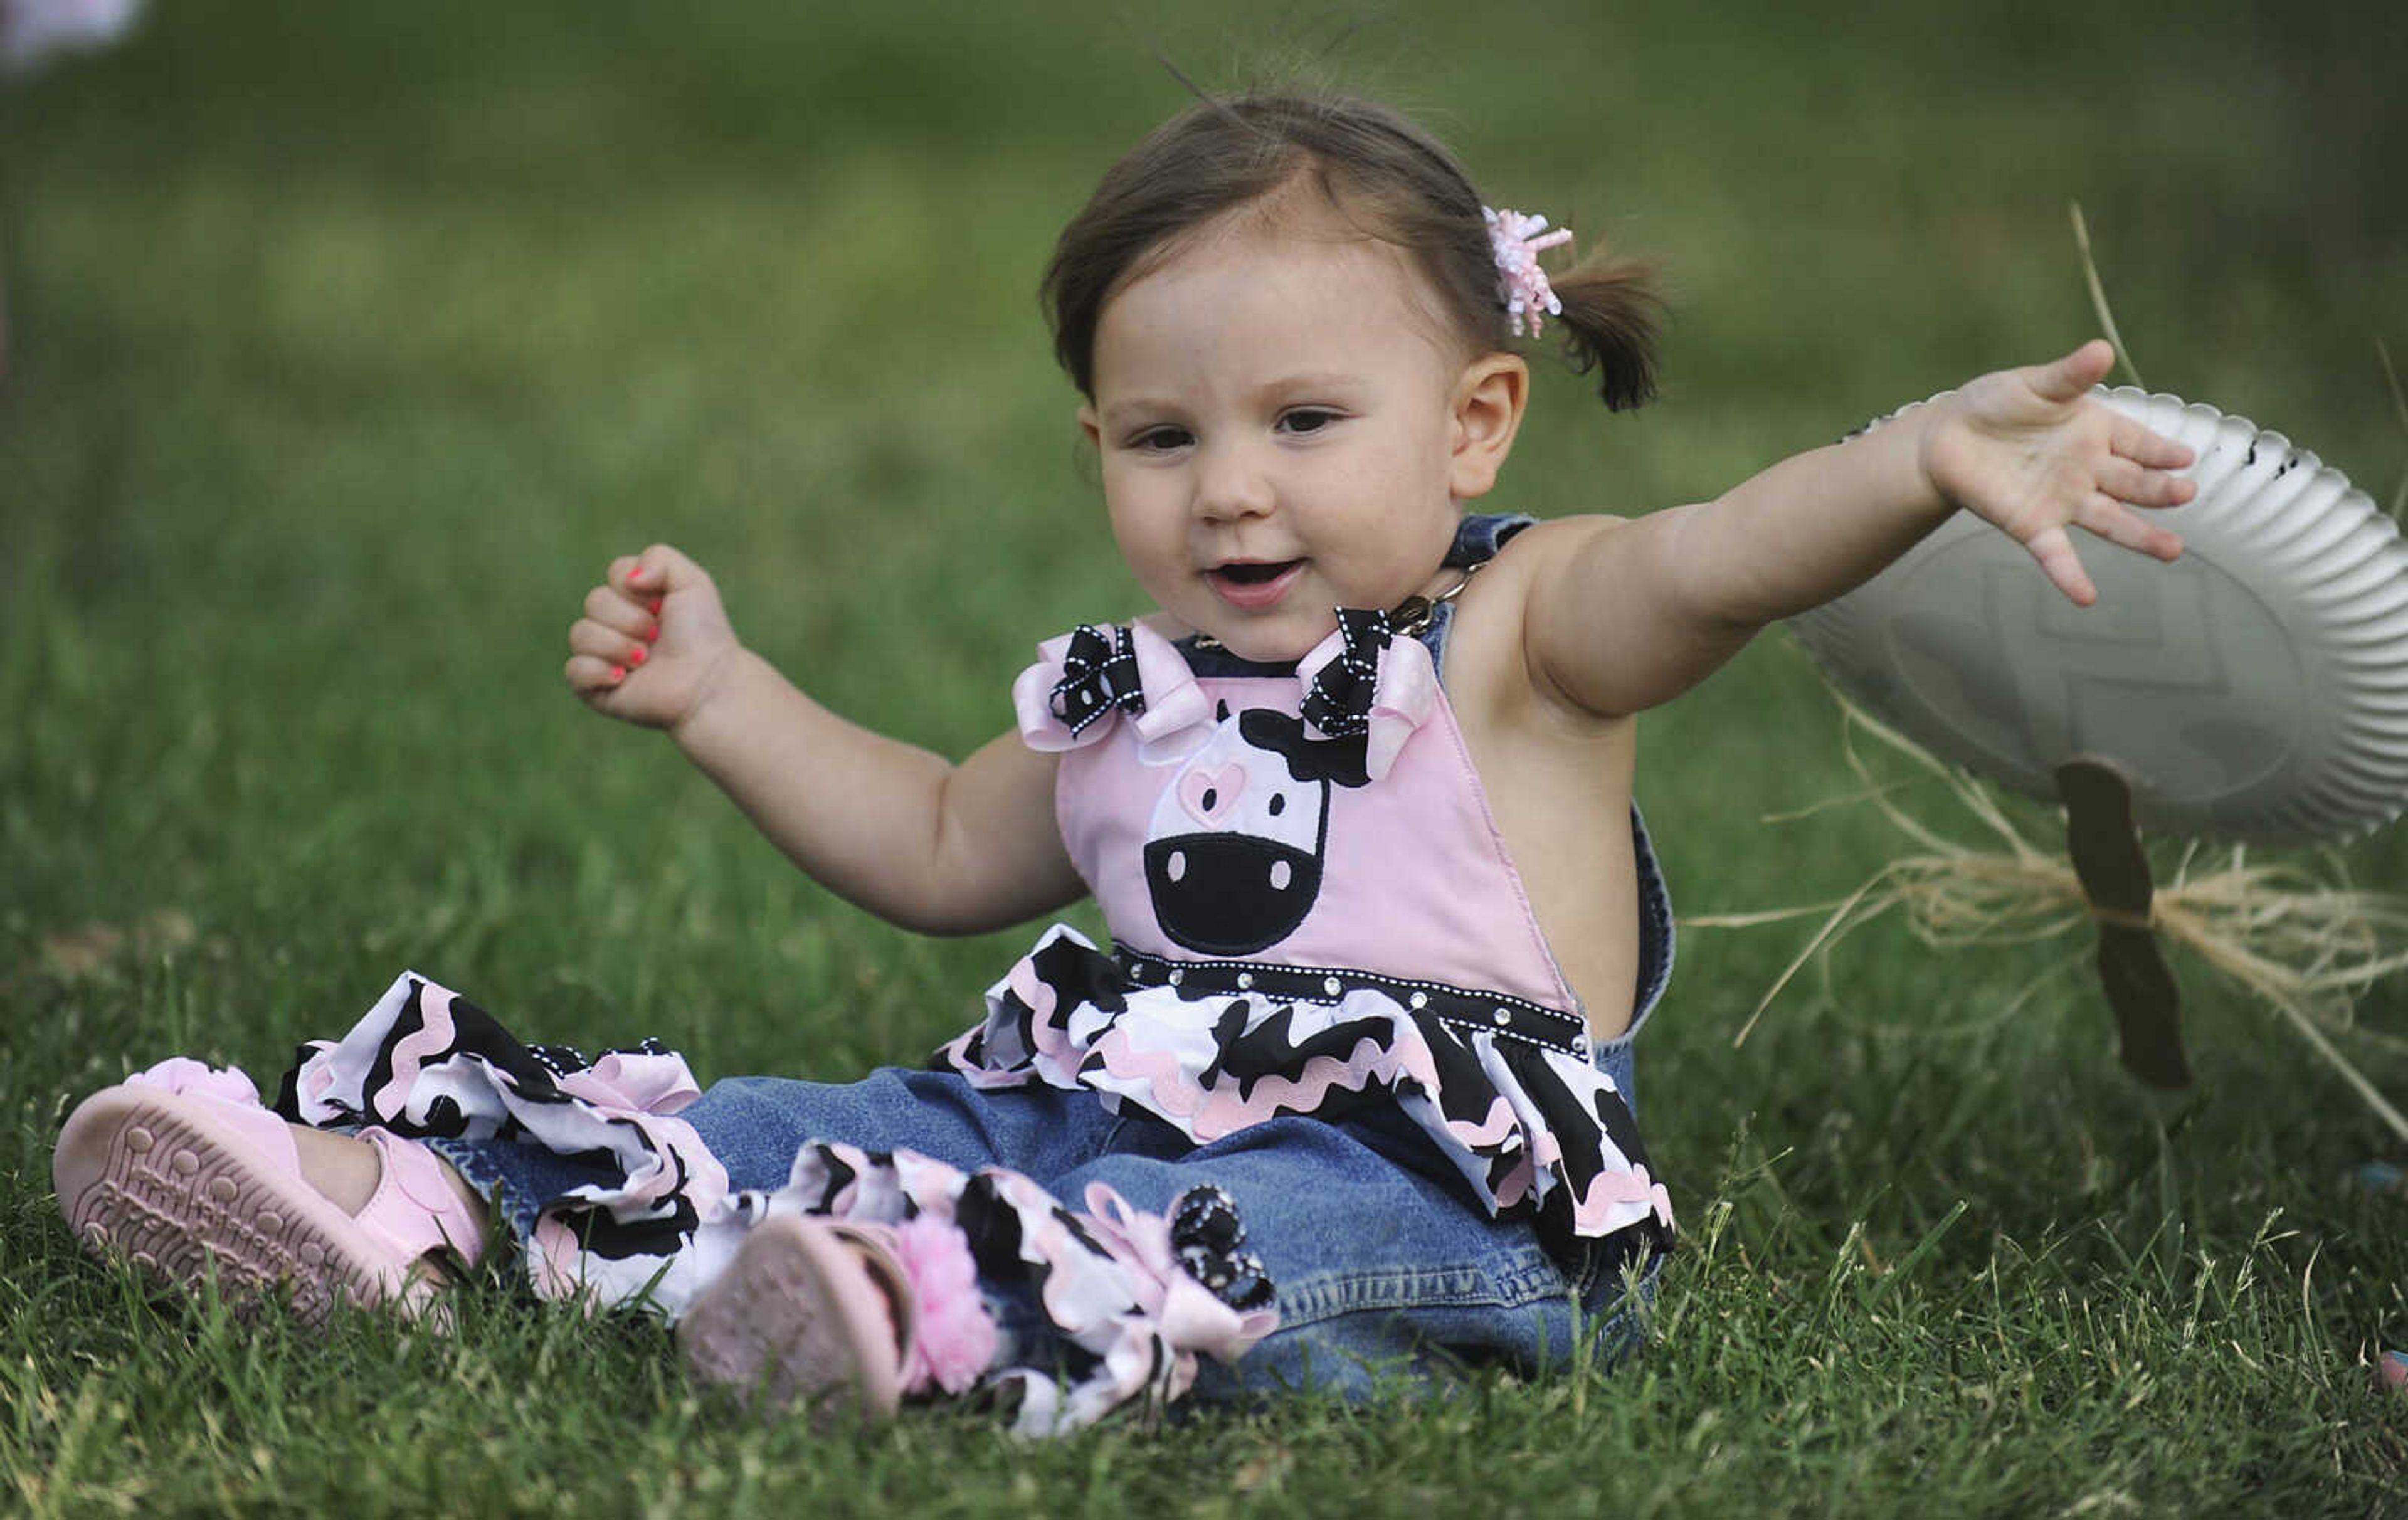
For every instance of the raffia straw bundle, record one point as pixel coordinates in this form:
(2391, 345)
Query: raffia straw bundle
(2306, 944)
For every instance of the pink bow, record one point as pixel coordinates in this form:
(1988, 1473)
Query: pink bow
(1173, 719)
(1404, 694)
(1514, 239)
(634, 1082)
(1184, 1313)
(182, 1074)
(233, 1095)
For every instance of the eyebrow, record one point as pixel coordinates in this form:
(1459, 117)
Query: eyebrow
(1119, 412)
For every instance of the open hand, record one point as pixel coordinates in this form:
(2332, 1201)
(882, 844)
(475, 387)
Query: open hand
(653, 639)
(2030, 452)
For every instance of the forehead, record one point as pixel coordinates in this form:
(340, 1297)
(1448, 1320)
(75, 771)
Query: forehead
(1268, 291)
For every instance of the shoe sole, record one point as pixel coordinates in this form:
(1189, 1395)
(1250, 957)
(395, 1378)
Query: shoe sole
(147, 1176)
(797, 1318)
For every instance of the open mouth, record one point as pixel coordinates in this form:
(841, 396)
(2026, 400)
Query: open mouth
(1253, 585)
(1250, 574)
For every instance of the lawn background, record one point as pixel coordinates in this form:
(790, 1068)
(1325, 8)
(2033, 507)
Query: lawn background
(349, 343)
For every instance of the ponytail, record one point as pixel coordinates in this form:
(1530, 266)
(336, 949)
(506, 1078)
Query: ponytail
(1611, 316)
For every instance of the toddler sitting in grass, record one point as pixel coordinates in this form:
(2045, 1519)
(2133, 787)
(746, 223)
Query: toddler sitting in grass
(1350, 1086)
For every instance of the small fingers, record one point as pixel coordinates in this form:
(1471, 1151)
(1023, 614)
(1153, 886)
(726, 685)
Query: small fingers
(2124, 480)
(2116, 522)
(2072, 376)
(2142, 445)
(613, 609)
(608, 643)
(636, 583)
(2062, 565)
(592, 677)
(652, 575)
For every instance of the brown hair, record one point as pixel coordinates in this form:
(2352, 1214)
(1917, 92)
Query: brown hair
(1386, 175)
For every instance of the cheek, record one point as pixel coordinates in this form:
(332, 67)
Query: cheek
(1420, 543)
(1147, 536)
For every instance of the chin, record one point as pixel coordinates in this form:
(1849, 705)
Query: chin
(1275, 644)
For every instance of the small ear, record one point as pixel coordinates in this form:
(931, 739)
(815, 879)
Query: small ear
(1490, 396)
(1089, 424)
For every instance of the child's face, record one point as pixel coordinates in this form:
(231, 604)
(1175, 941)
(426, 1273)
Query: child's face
(1282, 431)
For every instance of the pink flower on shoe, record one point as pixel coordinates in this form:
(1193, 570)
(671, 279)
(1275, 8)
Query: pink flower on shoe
(957, 1335)
(182, 1074)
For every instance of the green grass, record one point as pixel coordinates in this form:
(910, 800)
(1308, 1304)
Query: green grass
(349, 343)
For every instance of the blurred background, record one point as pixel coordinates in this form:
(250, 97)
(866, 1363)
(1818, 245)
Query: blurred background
(348, 343)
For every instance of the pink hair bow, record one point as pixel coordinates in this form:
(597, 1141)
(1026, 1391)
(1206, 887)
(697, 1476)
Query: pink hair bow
(1517, 239)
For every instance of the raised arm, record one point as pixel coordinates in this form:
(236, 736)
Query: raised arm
(1629, 614)
(921, 842)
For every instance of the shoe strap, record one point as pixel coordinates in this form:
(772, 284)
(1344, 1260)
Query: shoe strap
(414, 1209)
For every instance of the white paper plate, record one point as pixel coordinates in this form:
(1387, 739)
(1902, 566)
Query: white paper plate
(2256, 689)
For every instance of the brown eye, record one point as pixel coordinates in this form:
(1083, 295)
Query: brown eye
(1306, 420)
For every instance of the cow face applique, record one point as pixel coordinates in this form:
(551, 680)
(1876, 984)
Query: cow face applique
(1234, 851)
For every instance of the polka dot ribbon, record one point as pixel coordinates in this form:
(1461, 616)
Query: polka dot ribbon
(1339, 702)
(1099, 675)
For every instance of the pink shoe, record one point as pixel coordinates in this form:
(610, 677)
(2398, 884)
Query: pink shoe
(811, 1311)
(185, 1182)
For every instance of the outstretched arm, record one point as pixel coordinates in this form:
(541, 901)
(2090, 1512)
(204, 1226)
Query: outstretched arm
(1630, 614)
(916, 839)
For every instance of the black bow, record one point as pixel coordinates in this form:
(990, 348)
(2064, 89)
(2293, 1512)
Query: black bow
(1340, 702)
(1098, 675)
(1209, 1240)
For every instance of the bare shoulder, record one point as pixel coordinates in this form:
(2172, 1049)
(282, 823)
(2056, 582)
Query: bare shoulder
(1489, 664)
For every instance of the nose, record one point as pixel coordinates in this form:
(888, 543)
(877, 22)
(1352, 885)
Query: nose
(1231, 484)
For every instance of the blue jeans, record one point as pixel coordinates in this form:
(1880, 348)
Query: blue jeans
(1381, 1257)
